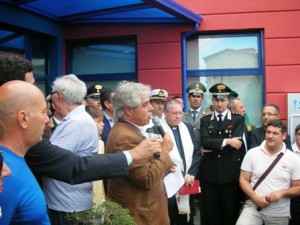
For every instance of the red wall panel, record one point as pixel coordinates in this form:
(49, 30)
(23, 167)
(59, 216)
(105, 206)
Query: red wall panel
(283, 79)
(161, 55)
(169, 80)
(212, 7)
(282, 51)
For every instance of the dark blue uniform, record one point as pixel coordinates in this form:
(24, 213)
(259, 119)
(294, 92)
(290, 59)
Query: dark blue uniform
(220, 169)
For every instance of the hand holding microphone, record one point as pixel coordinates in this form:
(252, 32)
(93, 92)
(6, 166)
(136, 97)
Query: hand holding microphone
(157, 124)
(151, 134)
(167, 143)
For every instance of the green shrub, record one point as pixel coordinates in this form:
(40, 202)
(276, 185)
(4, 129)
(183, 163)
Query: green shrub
(108, 213)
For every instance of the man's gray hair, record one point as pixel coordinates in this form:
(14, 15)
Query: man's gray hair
(128, 94)
(170, 103)
(231, 105)
(73, 89)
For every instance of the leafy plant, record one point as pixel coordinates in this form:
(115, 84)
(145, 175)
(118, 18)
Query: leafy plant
(108, 213)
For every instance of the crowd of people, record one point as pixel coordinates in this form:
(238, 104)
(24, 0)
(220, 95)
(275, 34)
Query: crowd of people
(55, 152)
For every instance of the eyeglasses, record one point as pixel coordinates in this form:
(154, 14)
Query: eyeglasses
(176, 113)
(269, 114)
(1, 163)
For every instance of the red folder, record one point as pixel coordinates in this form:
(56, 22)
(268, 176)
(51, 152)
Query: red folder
(187, 190)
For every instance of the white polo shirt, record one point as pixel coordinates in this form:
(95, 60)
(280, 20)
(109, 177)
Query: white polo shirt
(295, 149)
(257, 160)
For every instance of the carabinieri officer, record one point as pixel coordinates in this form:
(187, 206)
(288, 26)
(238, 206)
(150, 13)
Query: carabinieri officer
(221, 137)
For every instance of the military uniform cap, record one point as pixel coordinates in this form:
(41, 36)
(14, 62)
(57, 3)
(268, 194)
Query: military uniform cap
(196, 89)
(220, 91)
(159, 94)
(94, 89)
(233, 94)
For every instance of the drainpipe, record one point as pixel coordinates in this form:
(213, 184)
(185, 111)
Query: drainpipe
(184, 60)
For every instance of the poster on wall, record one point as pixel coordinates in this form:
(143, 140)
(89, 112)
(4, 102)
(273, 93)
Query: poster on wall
(293, 113)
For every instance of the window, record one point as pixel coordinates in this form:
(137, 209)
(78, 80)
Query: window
(233, 59)
(33, 47)
(106, 62)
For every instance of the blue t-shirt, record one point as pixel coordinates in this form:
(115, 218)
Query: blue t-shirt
(22, 200)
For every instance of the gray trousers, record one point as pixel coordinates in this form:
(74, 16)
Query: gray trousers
(250, 216)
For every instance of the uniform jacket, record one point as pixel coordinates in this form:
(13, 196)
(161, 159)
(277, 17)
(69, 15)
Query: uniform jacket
(258, 135)
(188, 118)
(143, 191)
(106, 130)
(222, 165)
(45, 159)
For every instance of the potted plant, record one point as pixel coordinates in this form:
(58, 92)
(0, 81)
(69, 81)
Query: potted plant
(107, 213)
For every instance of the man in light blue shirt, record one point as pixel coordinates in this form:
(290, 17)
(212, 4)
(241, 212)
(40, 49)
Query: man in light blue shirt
(78, 133)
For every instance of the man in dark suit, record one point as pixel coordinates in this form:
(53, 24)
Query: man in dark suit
(221, 133)
(108, 112)
(258, 135)
(45, 159)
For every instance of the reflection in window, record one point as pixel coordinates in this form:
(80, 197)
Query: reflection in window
(248, 88)
(12, 42)
(40, 55)
(233, 59)
(222, 53)
(104, 58)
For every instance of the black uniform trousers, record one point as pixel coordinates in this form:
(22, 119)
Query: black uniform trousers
(220, 169)
(225, 197)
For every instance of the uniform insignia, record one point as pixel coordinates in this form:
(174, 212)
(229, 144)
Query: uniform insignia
(161, 93)
(221, 87)
(98, 88)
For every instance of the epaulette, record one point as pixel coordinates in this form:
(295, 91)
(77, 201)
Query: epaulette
(207, 114)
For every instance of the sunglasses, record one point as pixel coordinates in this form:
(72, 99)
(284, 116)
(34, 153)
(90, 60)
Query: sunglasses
(1, 163)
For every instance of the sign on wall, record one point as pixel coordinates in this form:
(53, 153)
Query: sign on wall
(293, 113)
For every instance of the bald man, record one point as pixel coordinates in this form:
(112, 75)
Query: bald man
(23, 118)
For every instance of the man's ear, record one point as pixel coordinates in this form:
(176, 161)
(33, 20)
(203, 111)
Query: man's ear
(284, 135)
(127, 110)
(106, 103)
(23, 119)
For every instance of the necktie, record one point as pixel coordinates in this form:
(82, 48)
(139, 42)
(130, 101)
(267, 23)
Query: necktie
(194, 115)
(220, 120)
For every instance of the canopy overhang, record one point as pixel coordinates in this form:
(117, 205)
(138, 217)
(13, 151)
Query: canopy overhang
(109, 11)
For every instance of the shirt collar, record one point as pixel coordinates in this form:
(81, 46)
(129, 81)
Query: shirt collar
(283, 149)
(197, 110)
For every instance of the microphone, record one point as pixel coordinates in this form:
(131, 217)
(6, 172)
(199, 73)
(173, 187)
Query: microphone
(151, 134)
(158, 126)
